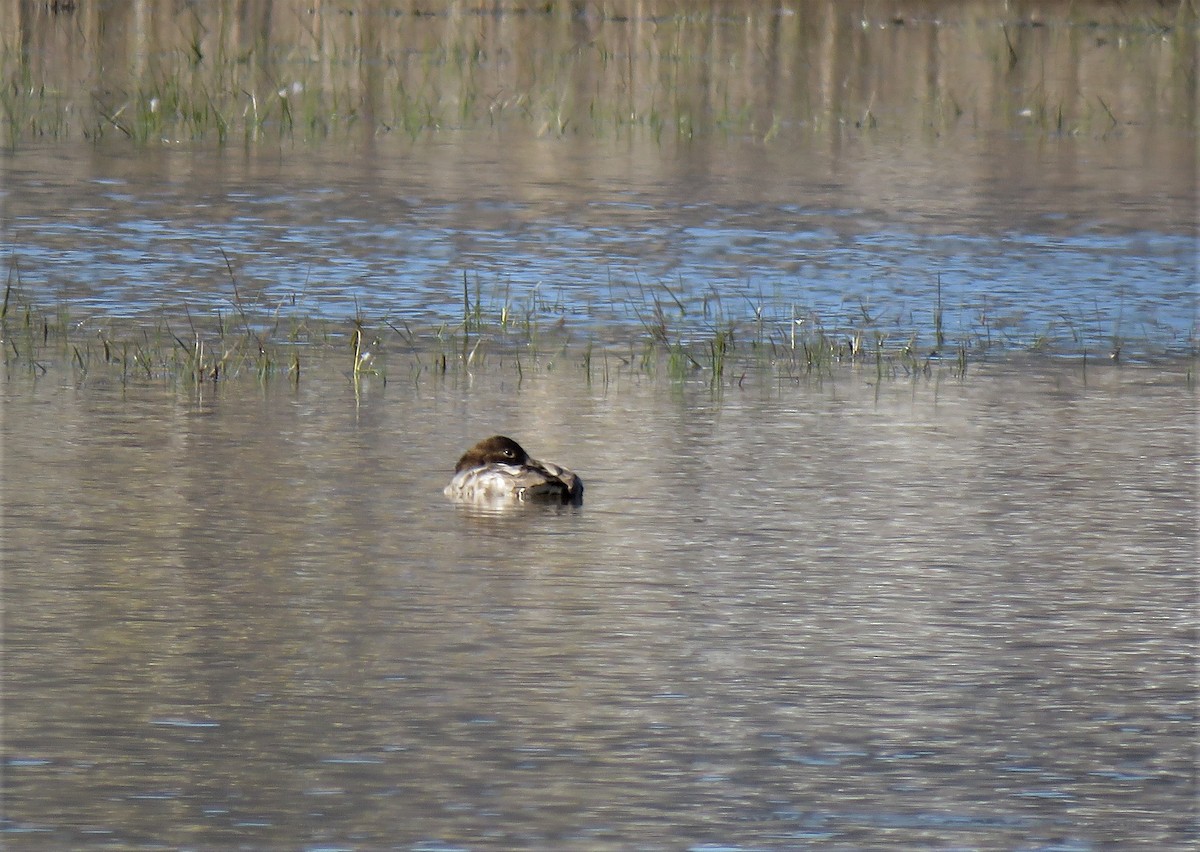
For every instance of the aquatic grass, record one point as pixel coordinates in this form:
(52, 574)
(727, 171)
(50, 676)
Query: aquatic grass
(209, 351)
(719, 348)
(309, 74)
(939, 331)
(496, 334)
(21, 101)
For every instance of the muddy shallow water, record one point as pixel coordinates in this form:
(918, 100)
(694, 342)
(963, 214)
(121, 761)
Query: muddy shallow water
(839, 613)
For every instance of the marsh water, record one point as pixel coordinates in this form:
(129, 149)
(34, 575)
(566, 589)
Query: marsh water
(597, 235)
(1026, 178)
(848, 614)
(893, 602)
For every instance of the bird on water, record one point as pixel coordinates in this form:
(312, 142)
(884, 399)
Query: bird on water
(498, 469)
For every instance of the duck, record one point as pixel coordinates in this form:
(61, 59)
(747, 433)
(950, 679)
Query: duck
(498, 470)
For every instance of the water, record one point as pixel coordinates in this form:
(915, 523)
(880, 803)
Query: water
(598, 233)
(838, 614)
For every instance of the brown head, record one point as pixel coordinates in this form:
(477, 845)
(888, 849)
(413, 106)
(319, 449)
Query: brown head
(496, 449)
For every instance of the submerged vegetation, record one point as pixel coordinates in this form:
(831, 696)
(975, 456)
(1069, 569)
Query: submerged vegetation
(289, 71)
(268, 344)
(286, 73)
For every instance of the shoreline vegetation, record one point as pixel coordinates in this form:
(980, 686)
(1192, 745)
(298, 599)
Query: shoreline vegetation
(286, 72)
(277, 344)
(282, 74)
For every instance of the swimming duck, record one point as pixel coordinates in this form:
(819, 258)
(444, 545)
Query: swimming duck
(498, 469)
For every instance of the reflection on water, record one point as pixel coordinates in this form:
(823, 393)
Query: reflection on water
(840, 614)
(284, 72)
(601, 235)
(1026, 172)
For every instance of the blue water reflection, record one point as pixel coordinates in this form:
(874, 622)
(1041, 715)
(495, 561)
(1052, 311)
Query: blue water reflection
(603, 261)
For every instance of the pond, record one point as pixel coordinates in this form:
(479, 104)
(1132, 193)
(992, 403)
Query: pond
(938, 612)
(872, 334)
(607, 239)
(939, 177)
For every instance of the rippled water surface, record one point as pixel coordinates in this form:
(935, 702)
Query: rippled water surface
(916, 601)
(1019, 244)
(839, 614)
